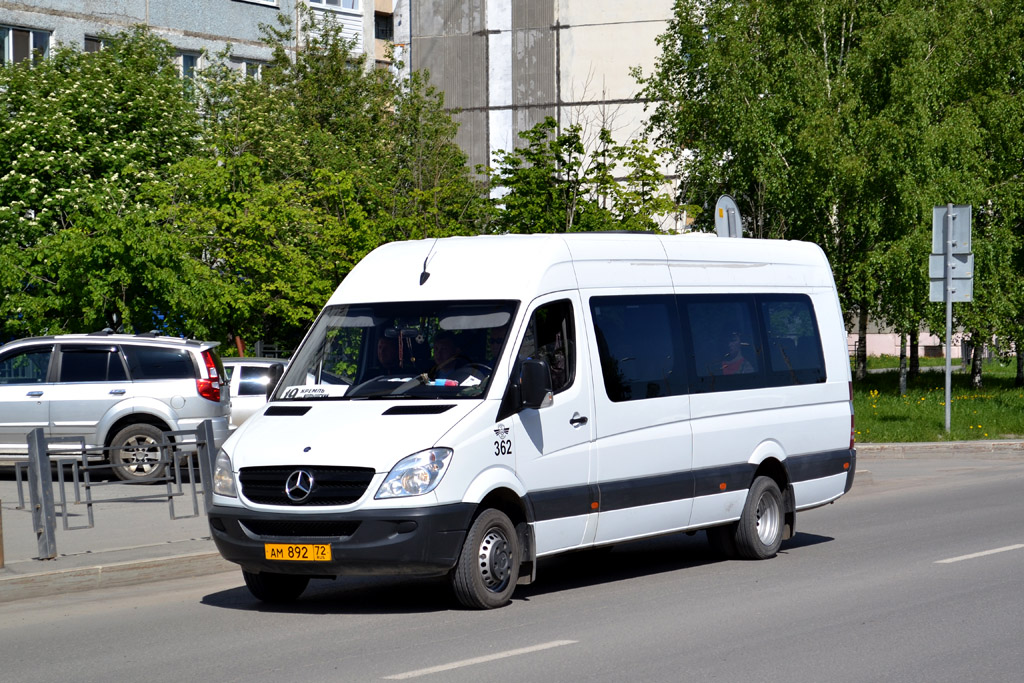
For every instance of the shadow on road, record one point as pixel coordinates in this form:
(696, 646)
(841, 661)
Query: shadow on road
(410, 595)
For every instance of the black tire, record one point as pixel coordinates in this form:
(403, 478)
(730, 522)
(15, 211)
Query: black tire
(135, 453)
(722, 540)
(488, 567)
(275, 588)
(759, 531)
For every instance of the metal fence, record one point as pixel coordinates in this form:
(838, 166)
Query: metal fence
(186, 458)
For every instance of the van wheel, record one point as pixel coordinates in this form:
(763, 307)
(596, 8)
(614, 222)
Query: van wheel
(488, 567)
(135, 453)
(759, 531)
(275, 588)
(722, 540)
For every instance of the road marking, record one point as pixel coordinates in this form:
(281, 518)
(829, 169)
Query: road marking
(480, 660)
(981, 554)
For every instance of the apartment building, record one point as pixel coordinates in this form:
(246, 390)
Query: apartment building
(31, 28)
(504, 65)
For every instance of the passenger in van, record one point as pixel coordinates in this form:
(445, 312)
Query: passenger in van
(387, 356)
(734, 362)
(447, 355)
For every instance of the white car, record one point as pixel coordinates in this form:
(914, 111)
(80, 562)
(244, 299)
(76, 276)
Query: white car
(248, 378)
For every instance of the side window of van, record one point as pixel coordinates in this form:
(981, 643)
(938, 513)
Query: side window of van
(551, 337)
(742, 341)
(638, 338)
(726, 342)
(794, 346)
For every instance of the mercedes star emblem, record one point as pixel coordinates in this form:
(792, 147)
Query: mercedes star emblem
(298, 486)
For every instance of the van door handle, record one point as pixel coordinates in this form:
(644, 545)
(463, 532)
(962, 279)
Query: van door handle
(578, 420)
(34, 394)
(117, 392)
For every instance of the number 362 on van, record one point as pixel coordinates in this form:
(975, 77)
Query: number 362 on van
(466, 406)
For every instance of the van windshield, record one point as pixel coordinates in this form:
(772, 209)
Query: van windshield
(422, 349)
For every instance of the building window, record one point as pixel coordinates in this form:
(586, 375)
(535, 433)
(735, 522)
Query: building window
(253, 69)
(384, 27)
(19, 44)
(188, 62)
(339, 4)
(93, 44)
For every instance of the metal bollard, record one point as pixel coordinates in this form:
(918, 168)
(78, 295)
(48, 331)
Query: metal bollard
(40, 486)
(207, 454)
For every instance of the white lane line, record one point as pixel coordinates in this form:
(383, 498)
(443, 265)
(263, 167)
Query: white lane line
(480, 660)
(981, 554)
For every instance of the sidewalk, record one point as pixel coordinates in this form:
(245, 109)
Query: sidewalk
(138, 542)
(130, 543)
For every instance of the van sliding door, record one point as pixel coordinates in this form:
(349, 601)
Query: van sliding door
(644, 444)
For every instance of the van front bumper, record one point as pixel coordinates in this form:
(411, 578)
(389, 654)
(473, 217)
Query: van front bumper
(420, 541)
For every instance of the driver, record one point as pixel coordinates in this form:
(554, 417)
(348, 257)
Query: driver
(447, 355)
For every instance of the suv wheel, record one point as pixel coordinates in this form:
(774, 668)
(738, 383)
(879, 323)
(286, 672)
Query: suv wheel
(135, 453)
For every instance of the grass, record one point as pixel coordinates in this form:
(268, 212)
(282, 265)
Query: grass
(996, 411)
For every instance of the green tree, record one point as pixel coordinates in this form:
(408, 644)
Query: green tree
(555, 184)
(84, 133)
(842, 123)
(304, 172)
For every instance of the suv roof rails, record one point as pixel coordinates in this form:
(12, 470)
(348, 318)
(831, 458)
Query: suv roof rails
(151, 333)
(102, 333)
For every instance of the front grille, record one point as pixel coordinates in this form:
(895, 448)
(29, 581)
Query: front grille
(331, 485)
(285, 528)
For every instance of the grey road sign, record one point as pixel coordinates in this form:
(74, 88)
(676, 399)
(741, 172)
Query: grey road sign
(961, 236)
(727, 218)
(962, 265)
(962, 291)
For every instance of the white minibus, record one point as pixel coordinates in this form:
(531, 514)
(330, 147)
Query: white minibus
(465, 406)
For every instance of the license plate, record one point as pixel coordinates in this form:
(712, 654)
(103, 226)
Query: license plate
(298, 552)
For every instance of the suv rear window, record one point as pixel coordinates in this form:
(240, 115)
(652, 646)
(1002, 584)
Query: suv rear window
(153, 363)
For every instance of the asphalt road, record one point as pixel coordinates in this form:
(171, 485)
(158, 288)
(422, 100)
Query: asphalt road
(917, 575)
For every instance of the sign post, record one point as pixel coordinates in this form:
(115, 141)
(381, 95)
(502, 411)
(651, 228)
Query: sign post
(951, 271)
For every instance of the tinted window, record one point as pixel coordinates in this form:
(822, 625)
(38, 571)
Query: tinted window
(638, 337)
(663, 345)
(146, 362)
(794, 347)
(29, 366)
(551, 337)
(725, 341)
(91, 364)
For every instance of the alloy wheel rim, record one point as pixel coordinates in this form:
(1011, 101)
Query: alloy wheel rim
(140, 452)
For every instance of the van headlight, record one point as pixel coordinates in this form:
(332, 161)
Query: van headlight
(417, 474)
(223, 477)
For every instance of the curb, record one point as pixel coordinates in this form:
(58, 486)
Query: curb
(41, 584)
(940, 449)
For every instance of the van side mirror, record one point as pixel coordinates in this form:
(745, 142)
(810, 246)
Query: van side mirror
(535, 384)
(273, 377)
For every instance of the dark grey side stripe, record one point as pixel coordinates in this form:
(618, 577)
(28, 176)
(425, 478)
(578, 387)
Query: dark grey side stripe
(623, 494)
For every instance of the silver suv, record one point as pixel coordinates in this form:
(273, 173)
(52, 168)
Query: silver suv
(116, 391)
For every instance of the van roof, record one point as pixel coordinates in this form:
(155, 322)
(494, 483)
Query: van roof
(522, 267)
